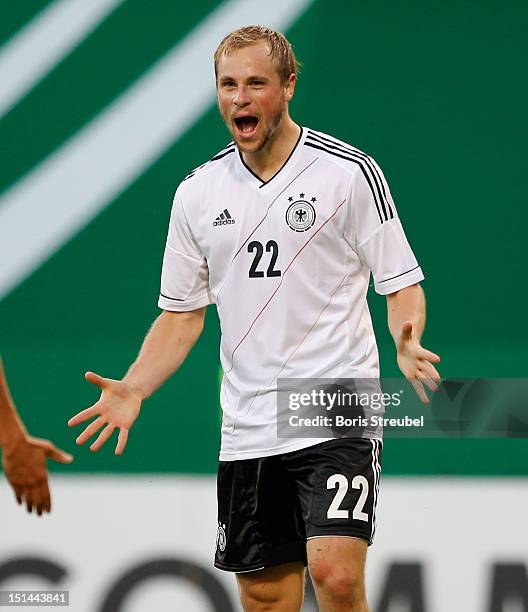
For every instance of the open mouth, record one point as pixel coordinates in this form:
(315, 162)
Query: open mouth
(246, 126)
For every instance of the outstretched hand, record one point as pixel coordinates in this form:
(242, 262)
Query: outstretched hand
(25, 465)
(416, 362)
(117, 408)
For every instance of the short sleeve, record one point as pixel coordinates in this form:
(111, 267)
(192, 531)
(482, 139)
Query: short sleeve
(377, 232)
(184, 275)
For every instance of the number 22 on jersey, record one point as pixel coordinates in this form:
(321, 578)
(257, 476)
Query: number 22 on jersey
(257, 248)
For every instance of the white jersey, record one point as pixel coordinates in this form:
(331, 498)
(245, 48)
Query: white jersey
(288, 263)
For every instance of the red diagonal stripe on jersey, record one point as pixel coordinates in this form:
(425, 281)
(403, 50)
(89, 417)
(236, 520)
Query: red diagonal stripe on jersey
(282, 280)
(285, 363)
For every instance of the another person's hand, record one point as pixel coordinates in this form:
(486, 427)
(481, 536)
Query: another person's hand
(24, 461)
(117, 408)
(416, 362)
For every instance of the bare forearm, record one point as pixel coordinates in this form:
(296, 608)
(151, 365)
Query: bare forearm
(407, 304)
(164, 349)
(11, 426)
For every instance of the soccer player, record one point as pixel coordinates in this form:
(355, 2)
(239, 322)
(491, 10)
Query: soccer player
(281, 229)
(24, 457)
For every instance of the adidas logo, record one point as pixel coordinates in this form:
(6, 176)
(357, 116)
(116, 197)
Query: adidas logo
(223, 219)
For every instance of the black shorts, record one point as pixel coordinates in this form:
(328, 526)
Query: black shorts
(268, 507)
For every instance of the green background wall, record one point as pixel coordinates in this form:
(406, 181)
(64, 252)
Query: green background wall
(434, 91)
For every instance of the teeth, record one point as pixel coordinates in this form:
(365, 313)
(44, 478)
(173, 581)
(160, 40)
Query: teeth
(247, 124)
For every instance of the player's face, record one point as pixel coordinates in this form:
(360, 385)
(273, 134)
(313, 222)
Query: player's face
(252, 99)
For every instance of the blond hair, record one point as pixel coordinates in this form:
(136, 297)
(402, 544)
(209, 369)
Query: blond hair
(280, 49)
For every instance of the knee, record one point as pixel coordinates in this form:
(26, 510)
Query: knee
(341, 583)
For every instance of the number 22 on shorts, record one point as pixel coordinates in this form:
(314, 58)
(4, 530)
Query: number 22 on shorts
(341, 482)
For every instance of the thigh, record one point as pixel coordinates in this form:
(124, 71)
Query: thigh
(338, 552)
(337, 483)
(259, 519)
(278, 588)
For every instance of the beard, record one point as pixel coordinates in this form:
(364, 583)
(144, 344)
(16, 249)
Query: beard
(270, 133)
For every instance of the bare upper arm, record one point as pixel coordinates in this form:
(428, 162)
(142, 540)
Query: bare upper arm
(189, 317)
(405, 290)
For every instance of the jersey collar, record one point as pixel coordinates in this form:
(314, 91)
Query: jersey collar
(256, 180)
